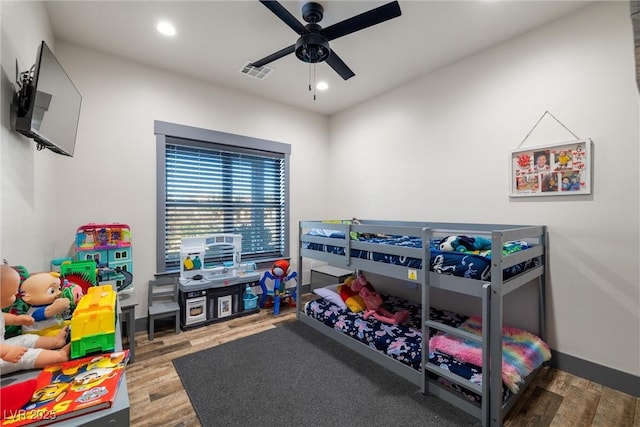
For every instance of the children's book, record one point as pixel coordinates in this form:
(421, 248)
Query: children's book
(71, 389)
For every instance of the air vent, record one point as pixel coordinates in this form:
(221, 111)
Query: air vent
(257, 72)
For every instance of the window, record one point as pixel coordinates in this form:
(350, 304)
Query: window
(213, 182)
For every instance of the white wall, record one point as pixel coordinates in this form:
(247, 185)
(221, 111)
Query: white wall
(112, 176)
(438, 150)
(28, 179)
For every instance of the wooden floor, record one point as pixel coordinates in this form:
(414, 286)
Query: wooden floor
(157, 398)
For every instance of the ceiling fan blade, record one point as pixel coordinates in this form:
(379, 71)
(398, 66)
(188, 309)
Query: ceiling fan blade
(362, 21)
(279, 54)
(339, 66)
(285, 16)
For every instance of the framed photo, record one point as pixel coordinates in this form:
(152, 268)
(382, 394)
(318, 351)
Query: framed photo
(562, 169)
(224, 306)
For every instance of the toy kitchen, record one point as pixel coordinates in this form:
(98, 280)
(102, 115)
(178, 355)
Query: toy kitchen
(213, 280)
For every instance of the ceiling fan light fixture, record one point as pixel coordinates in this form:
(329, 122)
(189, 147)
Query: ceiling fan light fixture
(312, 48)
(166, 28)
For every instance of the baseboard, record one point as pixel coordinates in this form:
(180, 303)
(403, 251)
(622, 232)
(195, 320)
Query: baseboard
(618, 380)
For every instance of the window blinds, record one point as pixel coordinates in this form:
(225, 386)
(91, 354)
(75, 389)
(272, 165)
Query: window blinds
(224, 190)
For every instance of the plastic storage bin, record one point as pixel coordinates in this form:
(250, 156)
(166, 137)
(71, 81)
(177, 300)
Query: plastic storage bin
(249, 299)
(250, 302)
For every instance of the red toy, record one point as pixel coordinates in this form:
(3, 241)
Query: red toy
(373, 303)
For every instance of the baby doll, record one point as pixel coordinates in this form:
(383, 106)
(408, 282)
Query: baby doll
(42, 292)
(26, 351)
(373, 303)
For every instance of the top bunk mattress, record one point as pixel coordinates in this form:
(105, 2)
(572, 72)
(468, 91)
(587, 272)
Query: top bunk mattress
(469, 264)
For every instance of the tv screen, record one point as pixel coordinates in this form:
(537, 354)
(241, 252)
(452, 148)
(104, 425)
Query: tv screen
(51, 106)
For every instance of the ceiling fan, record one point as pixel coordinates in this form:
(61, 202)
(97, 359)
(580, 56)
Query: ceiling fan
(313, 44)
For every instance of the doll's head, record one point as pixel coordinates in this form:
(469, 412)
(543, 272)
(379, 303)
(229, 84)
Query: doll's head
(72, 292)
(280, 268)
(9, 282)
(40, 288)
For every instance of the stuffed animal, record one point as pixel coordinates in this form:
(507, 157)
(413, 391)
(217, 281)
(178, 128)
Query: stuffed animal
(42, 292)
(73, 293)
(373, 303)
(464, 243)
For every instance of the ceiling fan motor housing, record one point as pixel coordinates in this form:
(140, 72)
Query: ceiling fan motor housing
(312, 47)
(312, 12)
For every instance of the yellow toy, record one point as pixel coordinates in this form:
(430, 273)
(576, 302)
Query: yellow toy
(93, 323)
(41, 291)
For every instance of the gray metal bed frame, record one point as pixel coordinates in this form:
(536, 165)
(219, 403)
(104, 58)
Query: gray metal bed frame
(492, 410)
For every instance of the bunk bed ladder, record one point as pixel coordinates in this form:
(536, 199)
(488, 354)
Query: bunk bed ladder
(542, 311)
(426, 257)
(486, 359)
(299, 283)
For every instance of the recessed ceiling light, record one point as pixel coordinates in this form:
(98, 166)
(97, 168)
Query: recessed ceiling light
(166, 28)
(322, 86)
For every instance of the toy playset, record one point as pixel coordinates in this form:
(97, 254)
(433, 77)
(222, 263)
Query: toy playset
(109, 246)
(213, 280)
(222, 252)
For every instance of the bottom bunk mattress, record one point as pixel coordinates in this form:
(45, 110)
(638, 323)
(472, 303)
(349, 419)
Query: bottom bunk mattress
(404, 342)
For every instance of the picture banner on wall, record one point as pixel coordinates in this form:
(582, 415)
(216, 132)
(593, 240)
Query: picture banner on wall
(562, 169)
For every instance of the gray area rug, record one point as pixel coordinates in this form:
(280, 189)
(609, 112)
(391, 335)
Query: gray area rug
(295, 376)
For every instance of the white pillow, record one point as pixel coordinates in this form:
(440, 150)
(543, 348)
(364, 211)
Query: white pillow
(330, 293)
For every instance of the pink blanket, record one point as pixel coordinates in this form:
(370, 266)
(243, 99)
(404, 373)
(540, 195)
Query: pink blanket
(522, 352)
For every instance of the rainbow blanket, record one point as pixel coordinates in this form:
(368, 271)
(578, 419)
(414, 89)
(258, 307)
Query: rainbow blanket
(522, 352)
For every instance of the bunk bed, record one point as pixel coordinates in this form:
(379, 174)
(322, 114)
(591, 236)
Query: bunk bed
(402, 250)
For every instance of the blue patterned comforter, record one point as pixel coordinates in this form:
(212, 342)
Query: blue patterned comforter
(400, 342)
(471, 264)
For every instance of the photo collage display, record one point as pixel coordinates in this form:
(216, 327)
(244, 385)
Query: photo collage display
(551, 170)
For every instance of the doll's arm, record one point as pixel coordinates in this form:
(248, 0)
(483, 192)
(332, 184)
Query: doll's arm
(56, 307)
(20, 319)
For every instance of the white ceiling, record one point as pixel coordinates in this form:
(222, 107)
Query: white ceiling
(216, 38)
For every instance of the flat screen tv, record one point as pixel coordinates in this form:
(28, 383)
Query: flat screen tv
(48, 105)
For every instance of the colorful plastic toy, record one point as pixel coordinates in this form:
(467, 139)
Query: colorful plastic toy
(81, 273)
(279, 275)
(109, 246)
(93, 324)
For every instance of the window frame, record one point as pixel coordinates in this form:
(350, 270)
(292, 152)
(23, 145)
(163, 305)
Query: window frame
(206, 138)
